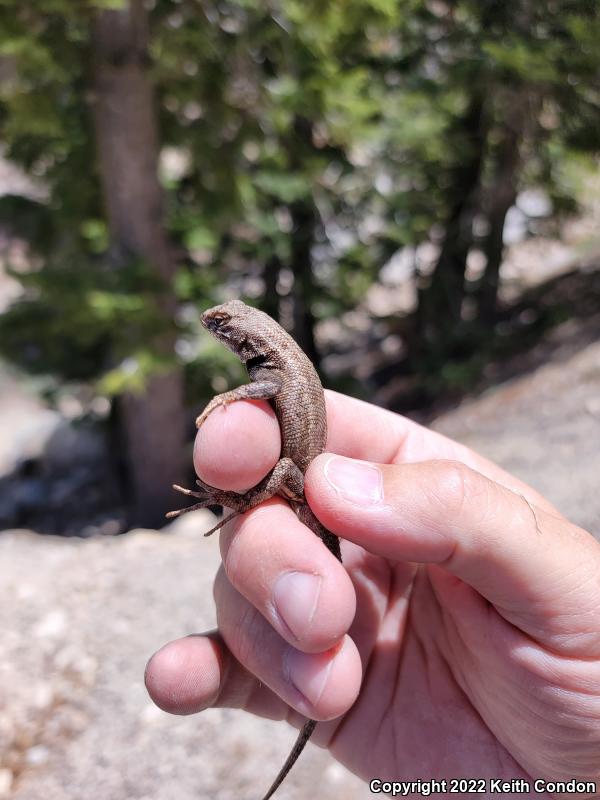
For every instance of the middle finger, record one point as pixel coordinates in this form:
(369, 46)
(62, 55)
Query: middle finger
(289, 576)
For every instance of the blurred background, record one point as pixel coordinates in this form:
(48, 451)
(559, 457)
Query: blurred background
(410, 187)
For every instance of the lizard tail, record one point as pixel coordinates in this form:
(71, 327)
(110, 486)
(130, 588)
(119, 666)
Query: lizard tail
(298, 747)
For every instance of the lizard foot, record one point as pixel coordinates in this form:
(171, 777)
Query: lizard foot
(209, 408)
(205, 497)
(284, 479)
(208, 496)
(218, 401)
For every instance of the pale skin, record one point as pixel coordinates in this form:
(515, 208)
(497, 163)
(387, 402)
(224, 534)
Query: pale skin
(460, 636)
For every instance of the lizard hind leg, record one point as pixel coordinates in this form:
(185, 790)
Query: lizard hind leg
(293, 490)
(285, 479)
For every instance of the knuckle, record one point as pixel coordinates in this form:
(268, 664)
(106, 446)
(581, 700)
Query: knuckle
(457, 487)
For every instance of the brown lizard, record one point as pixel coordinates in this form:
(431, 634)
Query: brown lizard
(279, 372)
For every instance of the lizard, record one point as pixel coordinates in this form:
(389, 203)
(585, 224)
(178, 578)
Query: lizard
(281, 373)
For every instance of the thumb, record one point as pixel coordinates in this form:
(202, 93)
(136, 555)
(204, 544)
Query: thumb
(537, 569)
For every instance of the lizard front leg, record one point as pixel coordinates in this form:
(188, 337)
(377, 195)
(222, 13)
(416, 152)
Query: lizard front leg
(257, 390)
(284, 472)
(285, 479)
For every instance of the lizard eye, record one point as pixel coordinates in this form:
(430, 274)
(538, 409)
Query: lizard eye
(216, 321)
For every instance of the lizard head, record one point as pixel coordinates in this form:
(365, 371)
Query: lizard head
(233, 324)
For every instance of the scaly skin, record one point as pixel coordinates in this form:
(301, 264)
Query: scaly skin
(281, 373)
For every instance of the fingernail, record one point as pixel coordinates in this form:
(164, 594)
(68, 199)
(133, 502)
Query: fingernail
(296, 596)
(356, 481)
(308, 673)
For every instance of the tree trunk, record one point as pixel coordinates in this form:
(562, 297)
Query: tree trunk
(270, 277)
(440, 302)
(502, 195)
(519, 107)
(127, 141)
(304, 220)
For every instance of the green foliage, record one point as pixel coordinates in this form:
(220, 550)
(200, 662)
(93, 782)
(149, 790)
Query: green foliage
(214, 369)
(69, 321)
(296, 123)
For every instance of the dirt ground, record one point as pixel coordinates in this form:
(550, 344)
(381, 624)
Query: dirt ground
(80, 617)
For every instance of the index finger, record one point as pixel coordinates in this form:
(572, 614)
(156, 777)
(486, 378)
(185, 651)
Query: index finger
(238, 445)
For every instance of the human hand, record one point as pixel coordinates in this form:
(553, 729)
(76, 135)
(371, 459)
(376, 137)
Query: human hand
(477, 625)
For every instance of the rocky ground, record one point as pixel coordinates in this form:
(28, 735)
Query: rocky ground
(80, 617)
(544, 426)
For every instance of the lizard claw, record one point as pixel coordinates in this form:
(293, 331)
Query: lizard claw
(214, 403)
(204, 495)
(200, 419)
